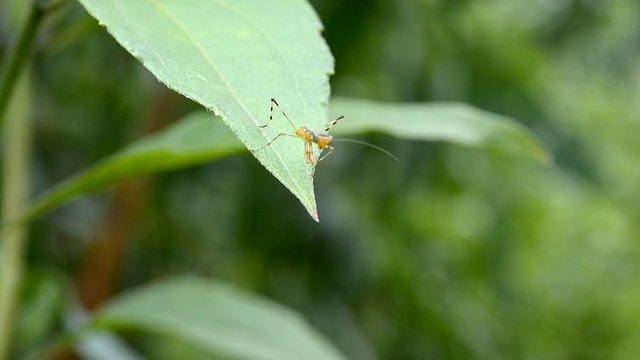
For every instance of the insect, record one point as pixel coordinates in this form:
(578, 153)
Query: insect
(308, 136)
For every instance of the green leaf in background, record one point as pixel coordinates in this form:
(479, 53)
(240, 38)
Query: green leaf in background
(218, 318)
(233, 56)
(452, 122)
(196, 139)
(200, 137)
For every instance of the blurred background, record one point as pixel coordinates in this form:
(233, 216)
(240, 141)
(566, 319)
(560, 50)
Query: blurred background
(452, 253)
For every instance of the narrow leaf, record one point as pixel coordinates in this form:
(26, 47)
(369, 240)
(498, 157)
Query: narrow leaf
(452, 122)
(233, 56)
(218, 318)
(196, 139)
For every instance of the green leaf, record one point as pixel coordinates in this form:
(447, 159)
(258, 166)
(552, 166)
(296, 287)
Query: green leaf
(201, 137)
(233, 56)
(452, 122)
(196, 139)
(218, 318)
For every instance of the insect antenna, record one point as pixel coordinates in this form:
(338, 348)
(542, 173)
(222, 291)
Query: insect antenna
(370, 145)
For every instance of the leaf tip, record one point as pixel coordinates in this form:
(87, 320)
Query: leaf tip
(314, 213)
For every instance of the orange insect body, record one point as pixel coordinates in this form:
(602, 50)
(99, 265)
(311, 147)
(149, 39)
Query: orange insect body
(305, 134)
(308, 136)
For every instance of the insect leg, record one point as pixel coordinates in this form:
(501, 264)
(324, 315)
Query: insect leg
(308, 152)
(330, 148)
(330, 124)
(272, 140)
(273, 101)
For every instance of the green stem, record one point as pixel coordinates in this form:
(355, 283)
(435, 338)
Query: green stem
(15, 165)
(17, 56)
(14, 185)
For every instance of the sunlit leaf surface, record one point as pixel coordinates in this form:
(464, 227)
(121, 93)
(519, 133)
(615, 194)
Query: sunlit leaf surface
(233, 56)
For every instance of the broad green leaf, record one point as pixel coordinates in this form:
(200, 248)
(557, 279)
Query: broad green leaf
(233, 56)
(452, 122)
(218, 318)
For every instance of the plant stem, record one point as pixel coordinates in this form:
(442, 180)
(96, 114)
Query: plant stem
(15, 168)
(17, 55)
(15, 58)
(14, 193)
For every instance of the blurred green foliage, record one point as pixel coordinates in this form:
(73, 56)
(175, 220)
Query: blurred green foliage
(451, 254)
